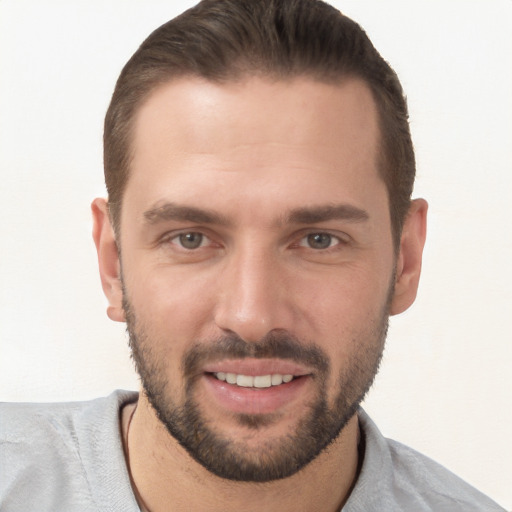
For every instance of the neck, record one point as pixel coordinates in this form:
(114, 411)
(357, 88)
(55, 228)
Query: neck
(164, 473)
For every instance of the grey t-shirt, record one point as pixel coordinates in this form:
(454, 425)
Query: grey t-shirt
(68, 457)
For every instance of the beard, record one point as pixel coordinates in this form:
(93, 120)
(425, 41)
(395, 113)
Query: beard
(320, 424)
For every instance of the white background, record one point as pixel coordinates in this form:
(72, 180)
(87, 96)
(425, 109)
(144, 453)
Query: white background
(445, 387)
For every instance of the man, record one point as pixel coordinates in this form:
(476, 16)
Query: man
(258, 233)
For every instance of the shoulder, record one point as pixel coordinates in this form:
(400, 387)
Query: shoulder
(46, 426)
(417, 475)
(52, 453)
(395, 477)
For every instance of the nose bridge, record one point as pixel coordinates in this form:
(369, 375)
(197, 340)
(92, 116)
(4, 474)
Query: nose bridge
(251, 302)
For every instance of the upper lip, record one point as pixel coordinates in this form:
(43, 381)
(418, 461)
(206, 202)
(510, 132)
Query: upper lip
(254, 367)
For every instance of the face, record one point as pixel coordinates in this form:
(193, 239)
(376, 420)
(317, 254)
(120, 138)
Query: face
(257, 266)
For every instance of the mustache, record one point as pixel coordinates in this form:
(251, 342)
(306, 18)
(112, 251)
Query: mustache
(277, 344)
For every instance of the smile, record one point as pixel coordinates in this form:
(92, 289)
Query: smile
(257, 381)
(255, 387)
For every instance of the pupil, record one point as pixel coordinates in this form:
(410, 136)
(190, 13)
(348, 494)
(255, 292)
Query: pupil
(191, 240)
(319, 240)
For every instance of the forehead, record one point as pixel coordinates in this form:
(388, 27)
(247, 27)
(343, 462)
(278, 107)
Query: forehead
(297, 110)
(301, 135)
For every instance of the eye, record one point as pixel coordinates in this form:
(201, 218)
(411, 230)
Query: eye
(192, 240)
(319, 241)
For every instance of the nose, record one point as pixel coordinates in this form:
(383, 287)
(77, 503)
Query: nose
(253, 298)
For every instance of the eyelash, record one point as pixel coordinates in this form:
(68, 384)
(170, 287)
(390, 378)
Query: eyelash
(175, 239)
(308, 238)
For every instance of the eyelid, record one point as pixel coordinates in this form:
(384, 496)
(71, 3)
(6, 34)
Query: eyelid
(343, 238)
(171, 236)
(297, 238)
(333, 241)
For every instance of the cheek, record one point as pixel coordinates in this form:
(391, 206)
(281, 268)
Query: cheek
(348, 296)
(170, 303)
(348, 315)
(168, 322)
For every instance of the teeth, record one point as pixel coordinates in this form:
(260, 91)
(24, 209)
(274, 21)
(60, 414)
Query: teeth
(259, 381)
(263, 381)
(244, 381)
(276, 379)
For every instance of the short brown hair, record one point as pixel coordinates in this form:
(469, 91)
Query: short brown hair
(223, 40)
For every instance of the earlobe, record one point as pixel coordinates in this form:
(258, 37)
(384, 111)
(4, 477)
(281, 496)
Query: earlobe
(108, 259)
(409, 259)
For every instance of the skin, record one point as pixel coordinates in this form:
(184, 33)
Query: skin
(252, 152)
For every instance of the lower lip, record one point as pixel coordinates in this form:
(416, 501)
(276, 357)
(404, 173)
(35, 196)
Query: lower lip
(242, 400)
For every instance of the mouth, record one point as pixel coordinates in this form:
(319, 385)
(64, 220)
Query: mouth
(256, 386)
(256, 381)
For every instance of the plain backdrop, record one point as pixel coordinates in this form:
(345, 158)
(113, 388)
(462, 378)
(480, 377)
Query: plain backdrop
(445, 386)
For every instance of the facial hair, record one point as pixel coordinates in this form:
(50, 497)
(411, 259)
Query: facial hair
(320, 424)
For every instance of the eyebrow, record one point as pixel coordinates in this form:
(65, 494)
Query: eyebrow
(313, 215)
(306, 215)
(173, 211)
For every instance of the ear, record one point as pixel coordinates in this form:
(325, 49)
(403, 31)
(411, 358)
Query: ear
(408, 267)
(108, 259)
